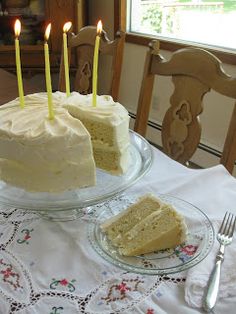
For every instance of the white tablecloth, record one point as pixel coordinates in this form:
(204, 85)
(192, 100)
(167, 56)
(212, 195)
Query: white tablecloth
(50, 267)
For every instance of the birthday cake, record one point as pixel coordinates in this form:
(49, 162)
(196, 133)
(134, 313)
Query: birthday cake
(146, 226)
(42, 155)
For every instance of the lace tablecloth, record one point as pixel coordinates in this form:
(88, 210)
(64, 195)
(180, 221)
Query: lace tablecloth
(51, 267)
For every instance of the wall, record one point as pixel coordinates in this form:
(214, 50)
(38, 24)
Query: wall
(102, 10)
(217, 109)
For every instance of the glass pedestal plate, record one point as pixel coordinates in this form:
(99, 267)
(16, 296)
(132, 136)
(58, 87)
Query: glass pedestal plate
(70, 205)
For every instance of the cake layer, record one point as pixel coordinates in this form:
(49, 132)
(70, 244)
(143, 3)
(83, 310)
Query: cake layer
(117, 226)
(39, 179)
(160, 230)
(116, 162)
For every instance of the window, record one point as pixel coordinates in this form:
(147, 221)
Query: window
(208, 22)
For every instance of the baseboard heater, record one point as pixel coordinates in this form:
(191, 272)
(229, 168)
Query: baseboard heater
(201, 146)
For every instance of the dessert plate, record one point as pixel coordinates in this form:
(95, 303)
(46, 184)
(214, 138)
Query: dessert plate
(107, 186)
(200, 238)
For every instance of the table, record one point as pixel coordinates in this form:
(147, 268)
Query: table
(50, 267)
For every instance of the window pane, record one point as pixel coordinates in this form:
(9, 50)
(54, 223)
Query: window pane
(207, 22)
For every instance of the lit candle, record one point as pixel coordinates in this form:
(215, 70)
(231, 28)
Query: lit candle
(66, 28)
(48, 73)
(18, 63)
(95, 62)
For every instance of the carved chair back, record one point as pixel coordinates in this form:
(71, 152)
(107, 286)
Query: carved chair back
(81, 49)
(194, 72)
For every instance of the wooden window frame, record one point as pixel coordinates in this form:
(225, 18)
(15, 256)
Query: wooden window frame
(120, 24)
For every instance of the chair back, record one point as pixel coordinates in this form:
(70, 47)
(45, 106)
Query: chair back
(81, 50)
(194, 73)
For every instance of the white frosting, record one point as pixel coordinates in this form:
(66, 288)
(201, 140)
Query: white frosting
(106, 110)
(39, 154)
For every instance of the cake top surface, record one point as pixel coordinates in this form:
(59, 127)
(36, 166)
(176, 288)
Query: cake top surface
(31, 123)
(106, 110)
(32, 120)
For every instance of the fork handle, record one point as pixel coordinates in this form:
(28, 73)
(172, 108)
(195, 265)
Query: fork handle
(214, 282)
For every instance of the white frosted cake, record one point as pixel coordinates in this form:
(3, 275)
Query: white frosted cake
(146, 226)
(38, 154)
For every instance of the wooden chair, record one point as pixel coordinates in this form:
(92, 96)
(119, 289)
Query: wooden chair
(194, 72)
(82, 45)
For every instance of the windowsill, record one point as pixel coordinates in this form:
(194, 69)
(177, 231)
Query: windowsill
(138, 39)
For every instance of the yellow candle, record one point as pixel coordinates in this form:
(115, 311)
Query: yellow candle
(18, 64)
(95, 63)
(48, 73)
(66, 28)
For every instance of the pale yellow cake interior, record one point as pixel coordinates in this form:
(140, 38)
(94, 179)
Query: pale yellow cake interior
(146, 226)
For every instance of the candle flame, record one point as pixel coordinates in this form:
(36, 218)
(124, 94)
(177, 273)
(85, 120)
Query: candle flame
(99, 27)
(47, 31)
(67, 27)
(17, 28)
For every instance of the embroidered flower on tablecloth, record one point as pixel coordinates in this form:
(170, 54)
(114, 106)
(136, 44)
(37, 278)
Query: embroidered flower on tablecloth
(185, 252)
(56, 310)
(63, 282)
(8, 275)
(123, 287)
(119, 291)
(189, 249)
(26, 237)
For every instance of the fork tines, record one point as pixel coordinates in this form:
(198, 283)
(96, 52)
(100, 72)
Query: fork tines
(228, 225)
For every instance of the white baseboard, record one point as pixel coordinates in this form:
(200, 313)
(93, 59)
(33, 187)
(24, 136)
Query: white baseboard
(205, 156)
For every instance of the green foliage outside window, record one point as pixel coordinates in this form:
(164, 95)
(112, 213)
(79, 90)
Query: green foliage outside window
(153, 14)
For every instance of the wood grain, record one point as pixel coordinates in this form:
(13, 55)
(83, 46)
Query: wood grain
(194, 72)
(82, 45)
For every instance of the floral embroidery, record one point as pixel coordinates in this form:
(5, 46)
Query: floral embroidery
(63, 282)
(26, 237)
(185, 252)
(189, 249)
(56, 309)
(122, 288)
(9, 276)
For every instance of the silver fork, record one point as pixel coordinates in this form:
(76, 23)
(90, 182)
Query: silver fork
(225, 237)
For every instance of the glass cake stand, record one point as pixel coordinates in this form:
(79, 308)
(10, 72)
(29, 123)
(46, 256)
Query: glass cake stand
(72, 204)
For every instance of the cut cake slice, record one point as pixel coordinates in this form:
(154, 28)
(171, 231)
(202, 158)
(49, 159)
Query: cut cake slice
(136, 231)
(160, 230)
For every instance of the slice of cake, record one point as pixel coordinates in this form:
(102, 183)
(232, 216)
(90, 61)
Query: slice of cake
(158, 226)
